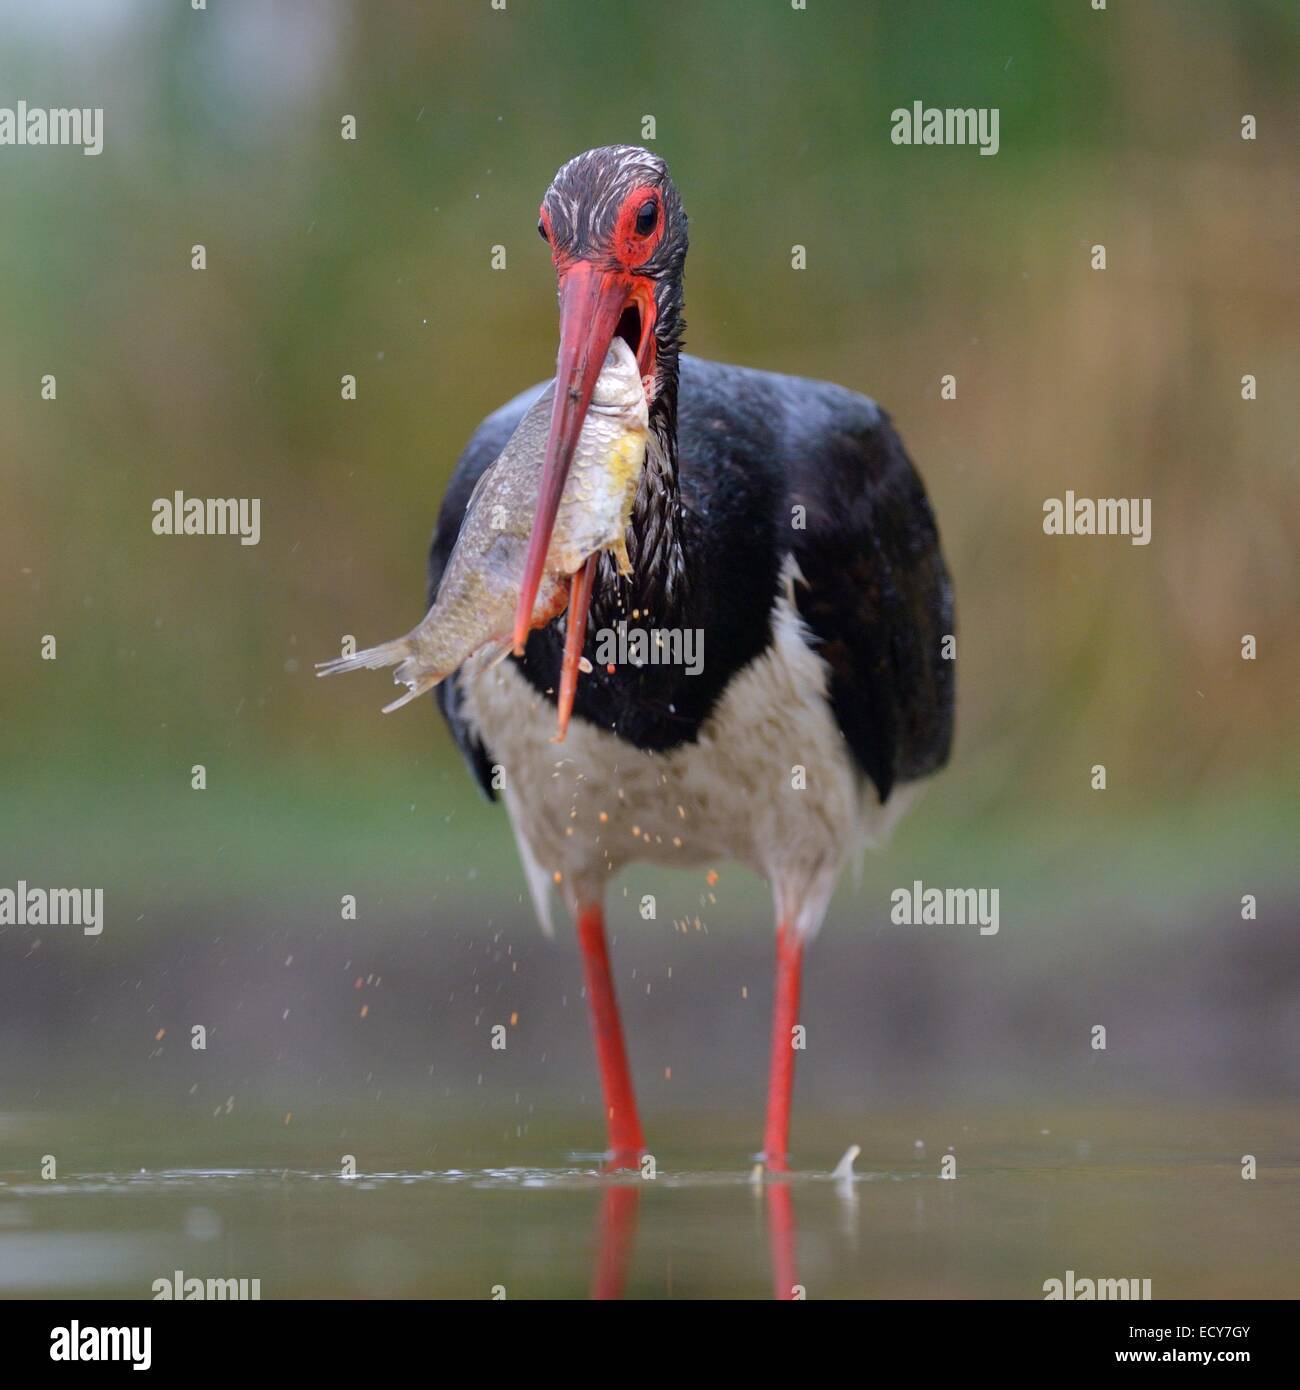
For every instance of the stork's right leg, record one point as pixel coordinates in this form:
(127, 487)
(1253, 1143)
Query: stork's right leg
(626, 1143)
(785, 1018)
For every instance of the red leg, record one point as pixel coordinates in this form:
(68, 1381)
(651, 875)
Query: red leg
(785, 1015)
(625, 1141)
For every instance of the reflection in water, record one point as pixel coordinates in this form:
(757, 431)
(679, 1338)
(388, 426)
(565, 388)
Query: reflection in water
(782, 1234)
(1152, 1191)
(618, 1212)
(617, 1223)
(616, 1231)
(846, 1191)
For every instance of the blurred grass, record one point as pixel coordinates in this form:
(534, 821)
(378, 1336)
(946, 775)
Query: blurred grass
(373, 258)
(422, 834)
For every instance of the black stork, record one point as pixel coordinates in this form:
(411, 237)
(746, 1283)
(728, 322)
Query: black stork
(782, 520)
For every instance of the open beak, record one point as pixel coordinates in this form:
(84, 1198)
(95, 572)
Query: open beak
(591, 303)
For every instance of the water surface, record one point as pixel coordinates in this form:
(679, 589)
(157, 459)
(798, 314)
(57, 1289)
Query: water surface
(1108, 1193)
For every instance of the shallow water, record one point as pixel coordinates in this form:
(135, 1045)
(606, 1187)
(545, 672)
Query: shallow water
(1106, 1193)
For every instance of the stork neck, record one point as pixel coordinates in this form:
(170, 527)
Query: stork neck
(655, 592)
(663, 420)
(669, 329)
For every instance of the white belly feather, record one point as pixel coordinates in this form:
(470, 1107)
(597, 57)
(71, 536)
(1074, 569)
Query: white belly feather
(585, 808)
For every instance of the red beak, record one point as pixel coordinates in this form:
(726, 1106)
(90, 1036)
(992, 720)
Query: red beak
(591, 303)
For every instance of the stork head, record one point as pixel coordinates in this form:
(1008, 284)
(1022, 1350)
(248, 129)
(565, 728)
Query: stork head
(617, 232)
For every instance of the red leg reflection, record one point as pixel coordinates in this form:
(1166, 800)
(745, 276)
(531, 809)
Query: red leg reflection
(618, 1210)
(782, 1236)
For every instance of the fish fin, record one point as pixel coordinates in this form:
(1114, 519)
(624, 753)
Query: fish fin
(413, 692)
(621, 557)
(416, 680)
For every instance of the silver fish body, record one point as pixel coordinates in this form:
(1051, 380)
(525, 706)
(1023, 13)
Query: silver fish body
(475, 604)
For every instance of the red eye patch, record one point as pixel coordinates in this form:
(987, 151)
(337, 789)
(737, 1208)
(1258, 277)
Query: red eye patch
(632, 246)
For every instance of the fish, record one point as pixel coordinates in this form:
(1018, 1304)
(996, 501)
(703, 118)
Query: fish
(474, 607)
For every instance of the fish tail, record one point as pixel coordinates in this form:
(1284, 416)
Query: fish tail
(400, 653)
(372, 659)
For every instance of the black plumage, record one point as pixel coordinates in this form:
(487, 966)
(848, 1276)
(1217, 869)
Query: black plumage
(752, 447)
(747, 469)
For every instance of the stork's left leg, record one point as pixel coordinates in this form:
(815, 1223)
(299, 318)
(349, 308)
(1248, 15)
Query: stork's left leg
(626, 1144)
(785, 1017)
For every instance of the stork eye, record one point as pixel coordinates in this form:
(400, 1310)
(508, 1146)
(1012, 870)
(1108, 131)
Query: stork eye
(646, 218)
(541, 230)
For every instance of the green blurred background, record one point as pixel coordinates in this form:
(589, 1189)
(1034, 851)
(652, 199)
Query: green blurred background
(373, 257)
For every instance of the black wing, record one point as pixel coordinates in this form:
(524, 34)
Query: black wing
(484, 446)
(877, 594)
